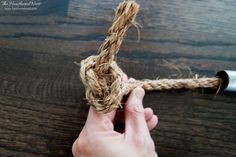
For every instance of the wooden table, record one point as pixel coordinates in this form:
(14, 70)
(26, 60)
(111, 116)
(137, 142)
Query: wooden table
(42, 102)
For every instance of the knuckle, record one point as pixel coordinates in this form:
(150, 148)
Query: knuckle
(80, 146)
(136, 114)
(135, 107)
(107, 124)
(75, 150)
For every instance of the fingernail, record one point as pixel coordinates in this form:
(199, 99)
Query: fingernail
(139, 92)
(131, 80)
(124, 77)
(139, 109)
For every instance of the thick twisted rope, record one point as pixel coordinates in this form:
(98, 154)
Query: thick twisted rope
(102, 77)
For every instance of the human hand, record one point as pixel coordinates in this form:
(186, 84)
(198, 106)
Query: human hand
(99, 139)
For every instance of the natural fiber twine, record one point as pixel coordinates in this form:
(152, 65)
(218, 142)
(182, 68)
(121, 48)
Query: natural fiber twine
(102, 77)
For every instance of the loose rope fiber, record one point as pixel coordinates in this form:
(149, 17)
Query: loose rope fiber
(102, 77)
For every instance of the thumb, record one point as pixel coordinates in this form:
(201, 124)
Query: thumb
(96, 120)
(135, 122)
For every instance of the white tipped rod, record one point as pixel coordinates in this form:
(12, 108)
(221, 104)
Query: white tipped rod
(229, 80)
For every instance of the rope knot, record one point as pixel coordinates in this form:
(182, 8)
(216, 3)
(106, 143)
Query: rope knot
(103, 90)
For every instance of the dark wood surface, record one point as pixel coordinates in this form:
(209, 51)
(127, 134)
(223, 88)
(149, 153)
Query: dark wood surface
(42, 105)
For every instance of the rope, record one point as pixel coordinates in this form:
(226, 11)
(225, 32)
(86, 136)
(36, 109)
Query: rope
(102, 77)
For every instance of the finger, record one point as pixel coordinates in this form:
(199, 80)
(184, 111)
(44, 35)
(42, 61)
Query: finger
(100, 120)
(124, 77)
(134, 114)
(131, 79)
(148, 112)
(152, 123)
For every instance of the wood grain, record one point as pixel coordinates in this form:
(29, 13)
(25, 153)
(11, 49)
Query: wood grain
(42, 105)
